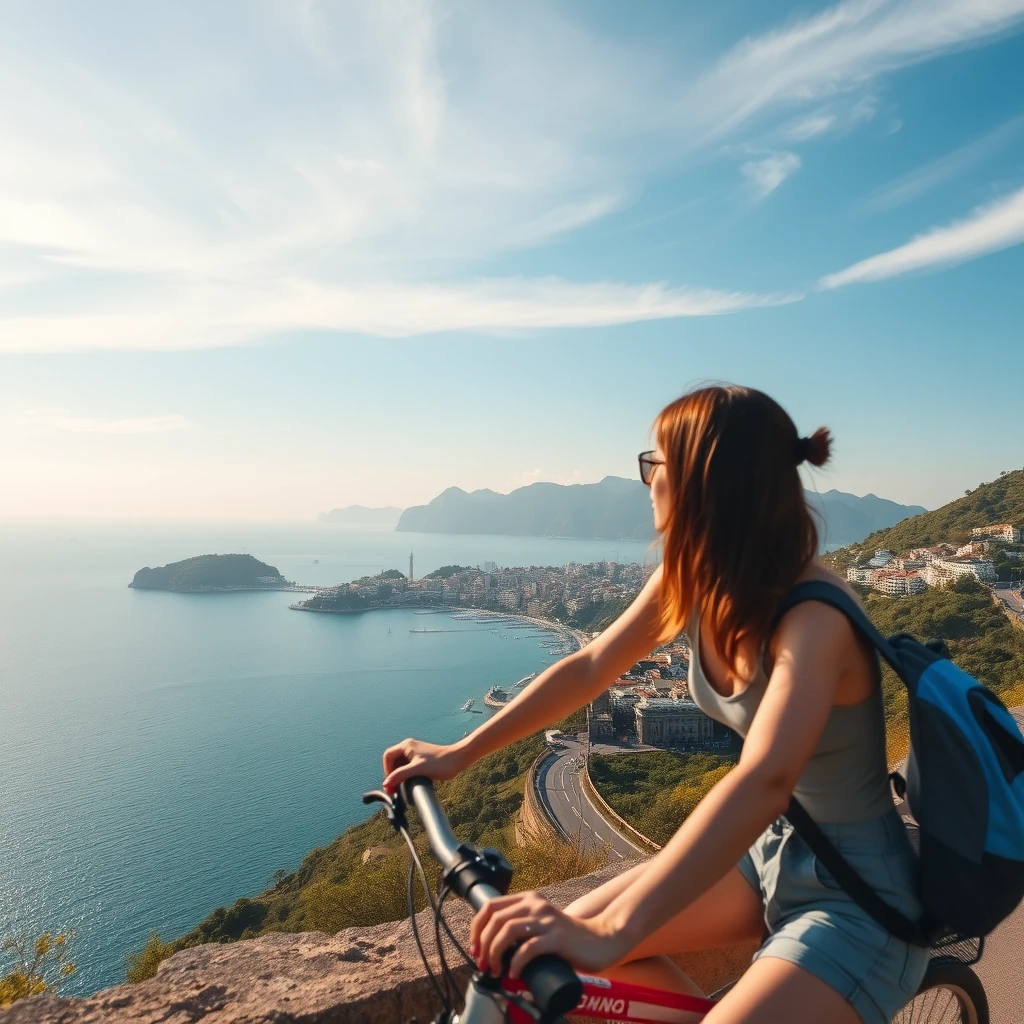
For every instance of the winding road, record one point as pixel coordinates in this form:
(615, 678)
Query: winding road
(572, 812)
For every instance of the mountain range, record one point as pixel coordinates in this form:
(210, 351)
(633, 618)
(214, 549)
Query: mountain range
(616, 508)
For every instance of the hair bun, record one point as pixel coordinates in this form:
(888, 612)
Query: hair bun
(816, 448)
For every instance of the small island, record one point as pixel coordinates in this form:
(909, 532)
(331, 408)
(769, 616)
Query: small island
(206, 573)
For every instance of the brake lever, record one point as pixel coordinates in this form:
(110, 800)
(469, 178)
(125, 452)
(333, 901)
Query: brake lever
(394, 806)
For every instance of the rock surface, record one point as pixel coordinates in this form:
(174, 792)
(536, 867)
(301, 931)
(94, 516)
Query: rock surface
(367, 975)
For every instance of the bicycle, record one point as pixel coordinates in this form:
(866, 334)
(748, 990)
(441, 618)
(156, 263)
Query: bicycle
(549, 989)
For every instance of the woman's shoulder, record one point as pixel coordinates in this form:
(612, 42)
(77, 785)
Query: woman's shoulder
(816, 615)
(816, 571)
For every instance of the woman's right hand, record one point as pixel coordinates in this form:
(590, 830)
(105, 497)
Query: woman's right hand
(410, 758)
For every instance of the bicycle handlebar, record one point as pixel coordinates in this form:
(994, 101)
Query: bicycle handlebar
(555, 987)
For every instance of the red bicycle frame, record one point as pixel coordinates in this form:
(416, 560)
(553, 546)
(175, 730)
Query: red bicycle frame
(609, 999)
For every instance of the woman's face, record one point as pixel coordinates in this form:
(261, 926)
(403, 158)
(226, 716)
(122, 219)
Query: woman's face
(661, 498)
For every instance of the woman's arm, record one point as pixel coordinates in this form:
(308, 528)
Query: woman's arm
(556, 692)
(812, 647)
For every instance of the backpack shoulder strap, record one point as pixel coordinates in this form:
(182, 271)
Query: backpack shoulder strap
(830, 594)
(915, 933)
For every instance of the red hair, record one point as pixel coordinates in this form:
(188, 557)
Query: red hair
(740, 531)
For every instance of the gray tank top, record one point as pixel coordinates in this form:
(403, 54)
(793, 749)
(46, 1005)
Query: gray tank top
(847, 777)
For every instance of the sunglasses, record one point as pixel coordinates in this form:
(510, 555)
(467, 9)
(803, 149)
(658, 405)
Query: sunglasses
(647, 463)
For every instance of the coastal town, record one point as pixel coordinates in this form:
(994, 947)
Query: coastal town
(650, 705)
(990, 549)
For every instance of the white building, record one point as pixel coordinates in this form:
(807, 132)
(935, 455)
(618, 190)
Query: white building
(859, 574)
(908, 564)
(883, 556)
(975, 547)
(944, 570)
(1001, 531)
(899, 584)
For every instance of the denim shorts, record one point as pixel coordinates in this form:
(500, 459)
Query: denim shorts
(813, 923)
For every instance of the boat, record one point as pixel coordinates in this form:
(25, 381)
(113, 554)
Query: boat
(468, 706)
(496, 697)
(525, 680)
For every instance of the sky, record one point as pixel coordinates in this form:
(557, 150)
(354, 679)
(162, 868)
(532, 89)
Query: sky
(264, 258)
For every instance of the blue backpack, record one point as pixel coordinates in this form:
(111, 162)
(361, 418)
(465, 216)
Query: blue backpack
(964, 785)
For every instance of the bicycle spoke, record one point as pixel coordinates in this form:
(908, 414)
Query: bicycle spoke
(941, 1005)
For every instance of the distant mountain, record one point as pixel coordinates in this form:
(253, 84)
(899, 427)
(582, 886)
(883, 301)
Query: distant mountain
(210, 572)
(615, 508)
(999, 501)
(362, 516)
(849, 518)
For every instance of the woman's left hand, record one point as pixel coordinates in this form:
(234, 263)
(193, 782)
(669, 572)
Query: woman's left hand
(540, 927)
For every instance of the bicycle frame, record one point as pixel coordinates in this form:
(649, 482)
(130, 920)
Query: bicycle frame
(612, 999)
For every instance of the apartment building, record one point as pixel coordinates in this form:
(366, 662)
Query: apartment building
(898, 583)
(944, 570)
(1001, 531)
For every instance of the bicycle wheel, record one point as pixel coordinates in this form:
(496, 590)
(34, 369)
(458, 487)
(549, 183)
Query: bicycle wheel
(951, 993)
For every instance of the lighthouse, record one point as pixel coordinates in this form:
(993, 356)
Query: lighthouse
(410, 567)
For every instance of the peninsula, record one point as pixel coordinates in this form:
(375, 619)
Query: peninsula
(205, 573)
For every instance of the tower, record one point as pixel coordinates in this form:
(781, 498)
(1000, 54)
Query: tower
(410, 567)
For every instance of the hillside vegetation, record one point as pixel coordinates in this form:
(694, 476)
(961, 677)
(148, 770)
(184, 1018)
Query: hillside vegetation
(1000, 501)
(981, 640)
(656, 790)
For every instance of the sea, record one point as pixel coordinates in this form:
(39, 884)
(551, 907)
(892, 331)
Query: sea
(164, 754)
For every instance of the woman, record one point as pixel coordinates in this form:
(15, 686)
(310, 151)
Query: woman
(737, 536)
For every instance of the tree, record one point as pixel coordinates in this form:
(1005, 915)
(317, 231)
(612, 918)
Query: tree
(40, 966)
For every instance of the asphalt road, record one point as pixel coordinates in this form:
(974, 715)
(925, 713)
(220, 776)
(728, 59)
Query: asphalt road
(1001, 968)
(1011, 600)
(568, 807)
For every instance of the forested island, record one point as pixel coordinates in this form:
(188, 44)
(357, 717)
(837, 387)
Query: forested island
(205, 573)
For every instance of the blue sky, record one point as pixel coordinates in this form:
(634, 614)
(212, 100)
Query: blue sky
(261, 259)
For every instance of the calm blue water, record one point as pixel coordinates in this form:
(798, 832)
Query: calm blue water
(162, 754)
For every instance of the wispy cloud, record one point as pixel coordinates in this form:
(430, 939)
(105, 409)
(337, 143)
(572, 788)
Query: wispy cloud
(63, 421)
(840, 49)
(161, 203)
(768, 173)
(382, 309)
(809, 127)
(935, 173)
(988, 229)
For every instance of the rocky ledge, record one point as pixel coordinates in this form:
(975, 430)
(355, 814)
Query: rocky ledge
(367, 975)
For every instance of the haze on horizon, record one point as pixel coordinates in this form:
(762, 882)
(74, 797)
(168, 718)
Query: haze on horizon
(261, 260)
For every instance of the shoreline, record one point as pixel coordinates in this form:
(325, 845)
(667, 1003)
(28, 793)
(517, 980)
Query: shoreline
(552, 624)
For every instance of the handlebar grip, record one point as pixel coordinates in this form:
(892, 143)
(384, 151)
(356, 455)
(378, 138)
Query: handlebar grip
(555, 986)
